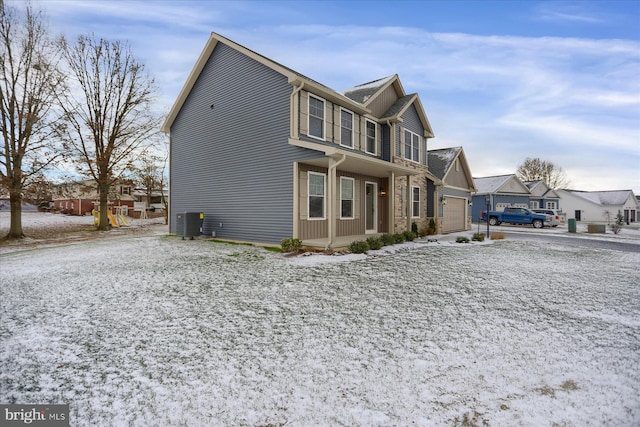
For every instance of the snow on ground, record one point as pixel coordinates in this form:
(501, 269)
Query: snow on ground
(156, 330)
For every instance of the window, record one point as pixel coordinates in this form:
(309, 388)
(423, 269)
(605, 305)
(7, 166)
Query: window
(371, 137)
(125, 190)
(316, 195)
(316, 117)
(534, 204)
(411, 146)
(346, 128)
(346, 197)
(415, 202)
(552, 205)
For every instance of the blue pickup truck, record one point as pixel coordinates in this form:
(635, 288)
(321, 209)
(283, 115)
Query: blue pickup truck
(515, 216)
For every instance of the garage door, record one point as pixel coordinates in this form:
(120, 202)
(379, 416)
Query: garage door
(454, 215)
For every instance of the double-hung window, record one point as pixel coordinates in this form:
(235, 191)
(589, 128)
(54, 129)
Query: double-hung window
(317, 195)
(415, 202)
(552, 205)
(411, 146)
(371, 137)
(316, 117)
(346, 197)
(346, 128)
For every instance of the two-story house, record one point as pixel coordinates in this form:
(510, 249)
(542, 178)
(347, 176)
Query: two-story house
(267, 153)
(82, 197)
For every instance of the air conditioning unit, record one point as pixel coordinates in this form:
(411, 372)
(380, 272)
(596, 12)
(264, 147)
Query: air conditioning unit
(189, 224)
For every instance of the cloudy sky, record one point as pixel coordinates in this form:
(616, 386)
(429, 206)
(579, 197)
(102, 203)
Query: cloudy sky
(506, 80)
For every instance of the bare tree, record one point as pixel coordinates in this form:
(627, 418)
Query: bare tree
(30, 82)
(537, 169)
(150, 173)
(109, 122)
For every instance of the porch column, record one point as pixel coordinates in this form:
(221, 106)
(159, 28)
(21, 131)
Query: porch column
(409, 206)
(331, 197)
(391, 205)
(296, 201)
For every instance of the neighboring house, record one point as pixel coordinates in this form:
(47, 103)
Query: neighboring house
(452, 199)
(599, 206)
(81, 197)
(498, 192)
(267, 153)
(145, 201)
(542, 196)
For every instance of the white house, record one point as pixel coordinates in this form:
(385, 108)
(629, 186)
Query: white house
(599, 206)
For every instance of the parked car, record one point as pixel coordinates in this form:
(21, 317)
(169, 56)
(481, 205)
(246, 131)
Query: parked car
(552, 215)
(514, 215)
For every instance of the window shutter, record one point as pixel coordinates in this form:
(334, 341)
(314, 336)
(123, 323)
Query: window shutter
(336, 126)
(303, 185)
(423, 148)
(400, 142)
(356, 199)
(304, 113)
(337, 205)
(358, 129)
(378, 140)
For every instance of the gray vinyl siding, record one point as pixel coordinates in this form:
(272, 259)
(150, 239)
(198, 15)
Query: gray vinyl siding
(229, 153)
(431, 189)
(411, 121)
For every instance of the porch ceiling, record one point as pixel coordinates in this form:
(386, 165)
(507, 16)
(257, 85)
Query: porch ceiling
(354, 162)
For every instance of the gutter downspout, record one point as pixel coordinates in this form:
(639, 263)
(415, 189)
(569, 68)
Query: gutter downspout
(392, 181)
(294, 116)
(331, 228)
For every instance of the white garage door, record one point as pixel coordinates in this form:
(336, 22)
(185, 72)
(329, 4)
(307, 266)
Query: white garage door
(454, 215)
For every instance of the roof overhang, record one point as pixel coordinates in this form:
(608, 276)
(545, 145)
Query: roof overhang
(356, 162)
(415, 99)
(330, 94)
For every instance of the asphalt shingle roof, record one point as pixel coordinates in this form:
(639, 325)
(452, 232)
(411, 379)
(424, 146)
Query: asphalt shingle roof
(439, 161)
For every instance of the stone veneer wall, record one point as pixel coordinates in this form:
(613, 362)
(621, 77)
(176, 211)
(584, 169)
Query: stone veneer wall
(400, 204)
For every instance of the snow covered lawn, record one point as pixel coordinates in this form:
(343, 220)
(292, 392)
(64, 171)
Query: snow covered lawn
(155, 330)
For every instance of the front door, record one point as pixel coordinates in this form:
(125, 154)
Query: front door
(371, 207)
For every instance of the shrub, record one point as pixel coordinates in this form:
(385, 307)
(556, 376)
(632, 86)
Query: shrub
(618, 224)
(424, 232)
(388, 239)
(497, 236)
(359, 247)
(414, 228)
(399, 238)
(431, 230)
(290, 245)
(410, 236)
(478, 237)
(462, 239)
(375, 243)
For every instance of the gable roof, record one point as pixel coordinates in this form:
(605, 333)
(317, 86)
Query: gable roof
(395, 112)
(614, 197)
(497, 184)
(356, 99)
(293, 77)
(543, 187)
(363, 93)
(442, 160)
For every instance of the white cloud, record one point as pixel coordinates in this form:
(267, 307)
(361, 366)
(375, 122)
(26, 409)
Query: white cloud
(481, 92)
